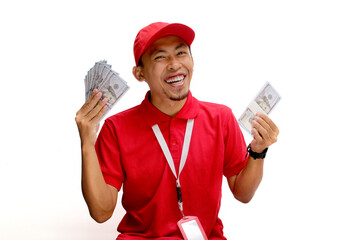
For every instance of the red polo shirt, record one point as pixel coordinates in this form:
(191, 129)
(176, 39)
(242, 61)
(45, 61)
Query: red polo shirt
(130, 156)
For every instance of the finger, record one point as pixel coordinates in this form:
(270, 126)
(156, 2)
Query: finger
(266, 131)
(261, 127)
(271, 124)
(95, 111)
(92, 107)
(99, 114)
(258, 138)
(93, 101)
(90, 103)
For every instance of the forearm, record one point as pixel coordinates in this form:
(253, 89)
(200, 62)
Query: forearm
(244, 184)
(97, 194)
(248, 180)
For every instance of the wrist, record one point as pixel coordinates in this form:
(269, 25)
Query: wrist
(256, 155)
(87, 147)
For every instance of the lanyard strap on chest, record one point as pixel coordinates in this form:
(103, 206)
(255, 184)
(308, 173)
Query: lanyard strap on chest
(185, 149)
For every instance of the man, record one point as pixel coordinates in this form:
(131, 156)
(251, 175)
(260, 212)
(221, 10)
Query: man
(144, 149)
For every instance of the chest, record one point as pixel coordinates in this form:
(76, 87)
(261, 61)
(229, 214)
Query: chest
(142, 157)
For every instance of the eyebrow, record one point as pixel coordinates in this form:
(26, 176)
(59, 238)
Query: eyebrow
(181, 46)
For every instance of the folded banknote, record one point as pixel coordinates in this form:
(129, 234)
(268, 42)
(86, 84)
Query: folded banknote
(264, 102)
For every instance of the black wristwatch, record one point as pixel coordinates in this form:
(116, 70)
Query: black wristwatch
(256, 155)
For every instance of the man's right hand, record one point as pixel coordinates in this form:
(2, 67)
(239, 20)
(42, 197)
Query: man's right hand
(100, 197)
(88, 116)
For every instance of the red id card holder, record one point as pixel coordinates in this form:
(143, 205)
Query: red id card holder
(191, 228)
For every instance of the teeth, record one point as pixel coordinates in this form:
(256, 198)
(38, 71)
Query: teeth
(175, 79)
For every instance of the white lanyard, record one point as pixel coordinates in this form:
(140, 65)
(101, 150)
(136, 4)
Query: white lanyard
(184, 154)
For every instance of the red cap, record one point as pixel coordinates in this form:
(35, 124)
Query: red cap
(154, 31)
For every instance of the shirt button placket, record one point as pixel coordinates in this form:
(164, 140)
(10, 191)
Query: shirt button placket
(174, 142)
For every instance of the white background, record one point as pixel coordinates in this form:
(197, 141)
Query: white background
(309, 50)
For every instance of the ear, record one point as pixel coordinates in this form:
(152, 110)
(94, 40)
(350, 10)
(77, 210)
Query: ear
(137, 72)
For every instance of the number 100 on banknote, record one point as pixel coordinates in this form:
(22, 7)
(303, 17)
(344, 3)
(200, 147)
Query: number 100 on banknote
(264, 102)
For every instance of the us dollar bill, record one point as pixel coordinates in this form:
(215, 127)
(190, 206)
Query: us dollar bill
(102, 77)
(264, 102)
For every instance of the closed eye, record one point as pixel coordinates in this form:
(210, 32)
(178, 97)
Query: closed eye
(159, 57)
(182, 53)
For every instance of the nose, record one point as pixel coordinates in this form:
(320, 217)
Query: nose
(173, 64)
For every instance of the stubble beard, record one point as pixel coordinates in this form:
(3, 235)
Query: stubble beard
(180, 96)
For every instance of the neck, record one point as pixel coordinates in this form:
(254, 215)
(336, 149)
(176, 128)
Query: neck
(170, 107)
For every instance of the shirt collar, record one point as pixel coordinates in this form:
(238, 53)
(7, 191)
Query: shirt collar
(153, 116)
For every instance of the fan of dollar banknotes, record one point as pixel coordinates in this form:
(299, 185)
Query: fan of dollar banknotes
(107, 81)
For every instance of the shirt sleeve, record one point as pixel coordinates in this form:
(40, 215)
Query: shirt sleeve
(235, 146)
(108, 152)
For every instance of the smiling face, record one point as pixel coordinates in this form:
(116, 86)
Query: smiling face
(167, 67)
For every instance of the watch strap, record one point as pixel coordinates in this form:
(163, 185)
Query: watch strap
(256, 155)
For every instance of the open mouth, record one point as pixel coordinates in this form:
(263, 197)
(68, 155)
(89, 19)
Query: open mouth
(176, 80)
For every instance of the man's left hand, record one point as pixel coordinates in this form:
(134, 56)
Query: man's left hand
(265, 133)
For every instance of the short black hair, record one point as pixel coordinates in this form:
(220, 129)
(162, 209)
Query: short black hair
(140, 63)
